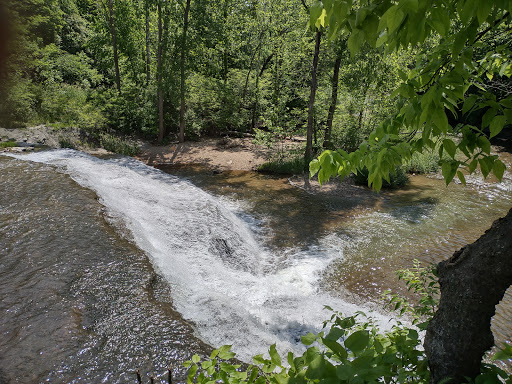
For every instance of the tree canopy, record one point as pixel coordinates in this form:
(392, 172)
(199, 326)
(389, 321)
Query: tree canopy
(455, 96)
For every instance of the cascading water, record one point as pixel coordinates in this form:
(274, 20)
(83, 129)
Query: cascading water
(233, 290)
(250, 263)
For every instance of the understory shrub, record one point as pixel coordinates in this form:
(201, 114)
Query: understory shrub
(396, 179)
(285, 166)
(117, 145)
(424, 162)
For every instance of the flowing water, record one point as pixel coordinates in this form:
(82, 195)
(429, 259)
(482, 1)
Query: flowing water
(110, 265)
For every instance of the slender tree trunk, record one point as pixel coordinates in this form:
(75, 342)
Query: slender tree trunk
(182, 72)
(334, 101)
(148, 52)
(114, 43)
(473, 281)
(308, 156)
(360, 120)
(161, 128)
(246, 83)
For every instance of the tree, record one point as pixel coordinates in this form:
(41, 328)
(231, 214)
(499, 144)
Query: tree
(182, 71)
(334, 98)
(113, 35)
(460, 59)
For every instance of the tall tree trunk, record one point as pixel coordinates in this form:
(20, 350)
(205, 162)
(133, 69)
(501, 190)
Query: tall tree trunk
(148, 52)
(114, 43)
(182, 72)
(334, 101)
(246, 83)
(308, 156)
(472, 282)
(161, 128)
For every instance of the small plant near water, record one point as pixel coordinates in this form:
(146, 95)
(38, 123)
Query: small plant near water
(286, 166)
(422, 281)
(65, 142)
(117, 145)
(349, 350)
(397, 179)
(7, 144)
(425, 162)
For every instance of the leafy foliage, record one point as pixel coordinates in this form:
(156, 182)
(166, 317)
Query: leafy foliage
(349, 349)
(451, 76)
(422, 281)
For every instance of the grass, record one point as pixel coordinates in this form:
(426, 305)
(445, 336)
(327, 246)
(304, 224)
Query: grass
(7, 144)
(287, 166)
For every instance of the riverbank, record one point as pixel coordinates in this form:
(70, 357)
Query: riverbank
(221, 154)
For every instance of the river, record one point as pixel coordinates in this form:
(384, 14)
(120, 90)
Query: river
(108, 265)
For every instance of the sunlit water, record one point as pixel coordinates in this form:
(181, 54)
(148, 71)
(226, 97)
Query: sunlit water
(110, 265)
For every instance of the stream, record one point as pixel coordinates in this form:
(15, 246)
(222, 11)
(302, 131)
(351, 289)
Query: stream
(108, 265)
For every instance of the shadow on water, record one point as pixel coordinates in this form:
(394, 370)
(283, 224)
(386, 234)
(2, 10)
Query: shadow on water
(291, 216)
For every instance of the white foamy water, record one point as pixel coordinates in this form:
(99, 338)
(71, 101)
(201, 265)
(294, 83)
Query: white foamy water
(222, 280)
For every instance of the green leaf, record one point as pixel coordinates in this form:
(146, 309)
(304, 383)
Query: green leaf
(450, 147)
(498, 169)
(346, 323)
(449, 169)
(274, 356)
(440, 120)
(358, 341)
(335, 333)
(308, 339)
(314, 167)
(461, 177)
(484, 143)
(316, 368)
(394, 18)
(440, 20)
(196, 359)
(469, 103)
(497, 124)
(315, 11)
(468, 10)
(355, 41)
(484, 8)
(486, 165)
(503, 354)
(336, 348)
(225, 352)
(488, 116)
(473, 165)
(344, 372)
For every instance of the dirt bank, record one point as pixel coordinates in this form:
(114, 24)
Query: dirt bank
(215, 153)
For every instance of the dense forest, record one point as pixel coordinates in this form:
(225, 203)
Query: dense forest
(158, 68)
(368, 83)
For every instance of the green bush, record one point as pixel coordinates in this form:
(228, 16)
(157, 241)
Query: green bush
(7, 144)
(425, 162)
(291, 166)
(18, 104)
(117, 145)
(65, 142)
(397, 179)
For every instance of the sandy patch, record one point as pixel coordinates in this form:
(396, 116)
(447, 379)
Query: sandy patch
(221, 153)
